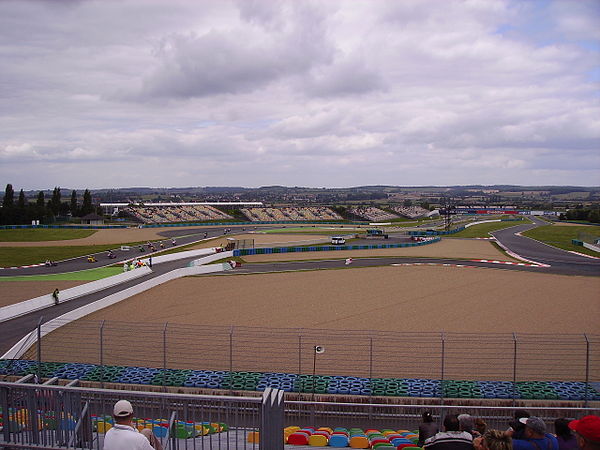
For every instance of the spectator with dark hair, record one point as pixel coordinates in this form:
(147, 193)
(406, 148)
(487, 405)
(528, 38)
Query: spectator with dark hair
(564, 436)
(427, 428)
(587, 432)
(451, 438)
(535, 436)
(517, 429)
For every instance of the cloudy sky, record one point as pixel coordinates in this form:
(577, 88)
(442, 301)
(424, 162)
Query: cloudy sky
(299, 93)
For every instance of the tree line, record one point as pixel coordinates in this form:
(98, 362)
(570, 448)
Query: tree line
(23, 211)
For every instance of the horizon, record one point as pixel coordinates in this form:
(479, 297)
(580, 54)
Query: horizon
(338, 93)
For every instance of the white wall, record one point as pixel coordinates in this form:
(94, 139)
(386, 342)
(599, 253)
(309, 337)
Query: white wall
(45, 301)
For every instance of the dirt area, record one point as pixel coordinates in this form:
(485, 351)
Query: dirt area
(332, 308)
(101, 237)
(446, 248)
(17, 291)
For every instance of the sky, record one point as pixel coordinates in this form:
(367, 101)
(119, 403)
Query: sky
(336, 93)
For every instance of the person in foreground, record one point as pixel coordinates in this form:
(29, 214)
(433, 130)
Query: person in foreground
(493, 440)
(535, 436)
(123, 435)
(587, 432)
(451, 438)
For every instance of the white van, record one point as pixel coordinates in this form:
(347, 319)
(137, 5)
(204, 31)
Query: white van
(337, 240)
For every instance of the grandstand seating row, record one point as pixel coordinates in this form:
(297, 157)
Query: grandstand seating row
(309, 213)
(373, 214)
(412, 212)
(320, 384)
(166, 214)
(353, 437)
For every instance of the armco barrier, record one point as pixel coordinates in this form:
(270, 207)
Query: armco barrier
(326, 248)
(25, 307)
(179, 255)
(20, 347)
(263, 222)
(435, 233)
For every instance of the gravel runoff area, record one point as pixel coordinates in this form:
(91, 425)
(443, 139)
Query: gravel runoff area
(402, 298)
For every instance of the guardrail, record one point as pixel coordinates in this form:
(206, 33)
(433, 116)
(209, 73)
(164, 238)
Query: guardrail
(72, 227)
(57, 417)
(44, 301)
(326, 248)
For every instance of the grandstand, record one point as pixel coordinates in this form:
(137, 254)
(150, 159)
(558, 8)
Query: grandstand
(412, 212)
(175, 213)
(373, 214)
(285, 214)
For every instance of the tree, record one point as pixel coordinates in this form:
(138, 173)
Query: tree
(41, 201)
(9, 197)
(86, 207)
(21, 202)
(54, 203)
(73, 206)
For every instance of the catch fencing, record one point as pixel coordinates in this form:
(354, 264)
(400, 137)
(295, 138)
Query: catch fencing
(507, 357)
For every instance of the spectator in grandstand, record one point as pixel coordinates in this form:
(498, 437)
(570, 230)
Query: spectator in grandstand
(494, 440)
(123, 435)
(517, 429)
(587, 432)
(480, 426)
(451, 438)
(427, 428)
(535, 436)
(466, 423)
(564, 436)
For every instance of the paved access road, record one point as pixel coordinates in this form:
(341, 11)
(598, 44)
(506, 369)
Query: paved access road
(561, 261)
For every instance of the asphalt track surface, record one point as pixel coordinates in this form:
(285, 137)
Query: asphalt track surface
(560, 261)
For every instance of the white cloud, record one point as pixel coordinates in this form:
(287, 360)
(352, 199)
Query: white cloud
(258, 92)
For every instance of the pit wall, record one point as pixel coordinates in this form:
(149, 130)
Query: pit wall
(326, 248)
(18, 309)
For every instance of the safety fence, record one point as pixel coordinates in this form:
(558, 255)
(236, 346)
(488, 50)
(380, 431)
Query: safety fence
(469, 365)
(327, 248)
(48, 417)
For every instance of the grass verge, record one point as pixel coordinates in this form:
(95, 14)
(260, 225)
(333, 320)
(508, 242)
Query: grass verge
(43, 234)
(83, 275)
(561, 237)
(482, 230)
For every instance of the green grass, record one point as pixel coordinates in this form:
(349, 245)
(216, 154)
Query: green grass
(483, 229)
(20, 256)
(84, 275)
(43, 234)
(560, 237)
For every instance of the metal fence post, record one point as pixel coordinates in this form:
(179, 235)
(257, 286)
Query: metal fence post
(299, 354)
(371, 362)
(102, 353)
(39, 350)
(271, 420)
(164, 353)
(514, 383)
(442, 369)
(231, 350)
(587, 369)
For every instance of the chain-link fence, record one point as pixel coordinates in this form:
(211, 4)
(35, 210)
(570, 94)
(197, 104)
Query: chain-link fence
(508, 357)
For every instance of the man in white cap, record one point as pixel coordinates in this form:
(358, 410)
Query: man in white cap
(123, 435)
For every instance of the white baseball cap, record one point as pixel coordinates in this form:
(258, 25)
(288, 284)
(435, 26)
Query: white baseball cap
(122, 409)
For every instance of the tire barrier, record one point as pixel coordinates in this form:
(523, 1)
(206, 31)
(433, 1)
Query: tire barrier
(319, 384)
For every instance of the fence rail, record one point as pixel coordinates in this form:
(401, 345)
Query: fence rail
(510, 357)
